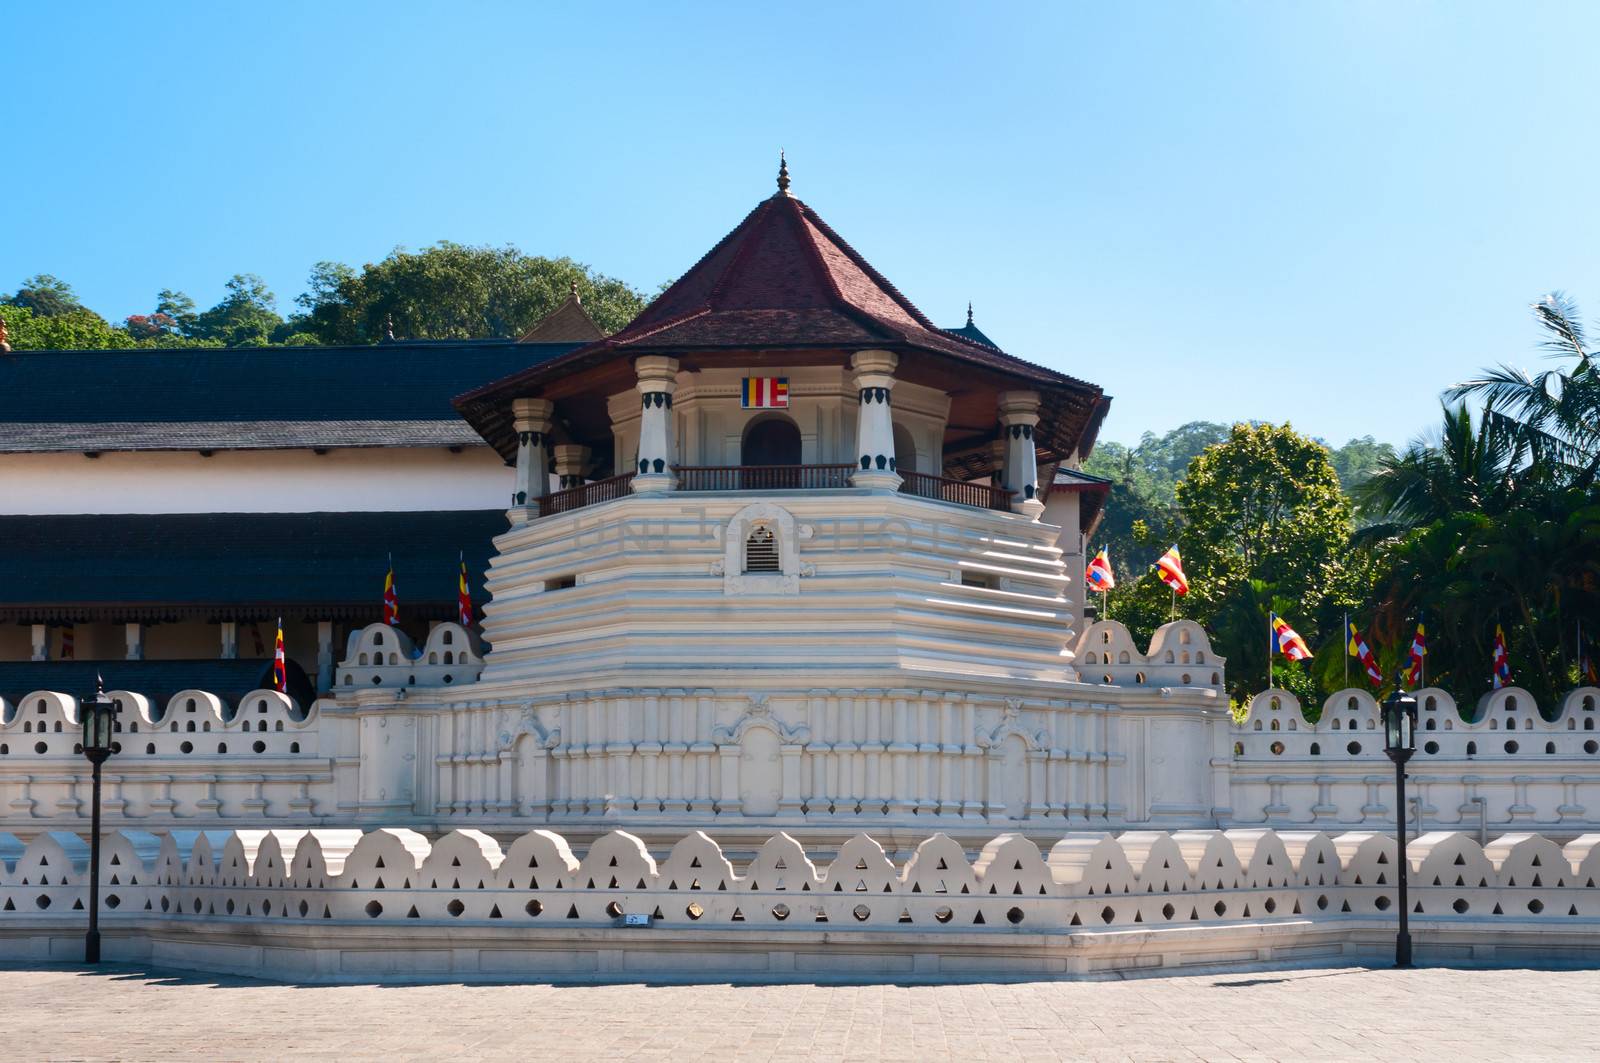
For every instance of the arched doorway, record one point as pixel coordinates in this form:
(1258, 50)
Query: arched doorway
(905, 449)
(771, 441)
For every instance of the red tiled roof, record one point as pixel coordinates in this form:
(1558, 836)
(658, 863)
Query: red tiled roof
(783, 279)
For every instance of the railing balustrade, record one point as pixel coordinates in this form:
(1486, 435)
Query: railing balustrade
(762, 477)
(778, 478)
(586, 495)
(944, 489)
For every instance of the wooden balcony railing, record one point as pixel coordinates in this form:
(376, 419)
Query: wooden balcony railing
(778, 478)
(587, 495)
(981, 496)
(762, 477)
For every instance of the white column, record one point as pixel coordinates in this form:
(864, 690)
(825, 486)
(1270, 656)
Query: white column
(531, 418)
(135, 637)
(571, 459)
(230, 640)
(874, 381)
(324, 656)
(658, 379)
(1019, 415)
(41, 642)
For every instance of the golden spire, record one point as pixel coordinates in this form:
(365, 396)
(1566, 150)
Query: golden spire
(573, 291)
(783, 174)
(969, 311)
(5, 347)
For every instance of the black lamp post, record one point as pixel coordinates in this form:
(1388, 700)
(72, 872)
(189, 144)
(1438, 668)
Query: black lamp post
(1400, 742)
(98, 714)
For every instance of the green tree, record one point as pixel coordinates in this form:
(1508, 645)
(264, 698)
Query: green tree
(1263, 508)
(246, 317)
(74, 330)
(453, 291)
(180, 308)
(1556, 414)
(46, 296)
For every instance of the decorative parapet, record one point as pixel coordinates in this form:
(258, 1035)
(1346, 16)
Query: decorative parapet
(1505, 723)
(1242, 884)
(1180, 656)
(383, 656)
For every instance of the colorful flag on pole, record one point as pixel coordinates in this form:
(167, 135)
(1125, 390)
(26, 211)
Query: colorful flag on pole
(463, 597)
(1098, 575)
(1419, 649)
(1502, 659)
(68, 649)
(391, 597)
(1169, 570)
(1287, 642)
(1588, 661)
(764, 392)
(280, 665)
(1357, 647)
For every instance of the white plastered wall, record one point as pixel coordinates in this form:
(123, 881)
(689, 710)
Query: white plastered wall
(255, 481)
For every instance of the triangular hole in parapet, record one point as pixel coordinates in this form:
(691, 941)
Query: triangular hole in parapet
(977, 920)
(494, 913)
(380, 861)
(572, 913)
(412, 914)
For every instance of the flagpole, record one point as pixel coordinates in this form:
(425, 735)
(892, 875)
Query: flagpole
(1347, 649)
(1422, 662)
(1173, 613)
(1269, 650)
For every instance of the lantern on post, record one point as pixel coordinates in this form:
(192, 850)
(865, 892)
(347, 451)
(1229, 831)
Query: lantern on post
(1400, 742)
(98, 715)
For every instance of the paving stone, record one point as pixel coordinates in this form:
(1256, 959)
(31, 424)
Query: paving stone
(120, 1012)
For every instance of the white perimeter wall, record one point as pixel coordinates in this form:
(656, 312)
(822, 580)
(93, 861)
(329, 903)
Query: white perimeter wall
(255, 481)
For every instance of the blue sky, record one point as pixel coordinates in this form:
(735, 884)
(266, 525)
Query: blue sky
(1315, 212)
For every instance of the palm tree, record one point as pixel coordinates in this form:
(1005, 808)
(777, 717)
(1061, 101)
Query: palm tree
(1463, 468)
(1556, 412)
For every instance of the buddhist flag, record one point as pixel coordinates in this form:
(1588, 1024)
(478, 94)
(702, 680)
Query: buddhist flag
(68, 649)
(1419, 649)
(1169, 570)
(1502, 659)
(391, 596)
(1286, 641)
(280, 664)
(463, 597)
(1357, 647)
(1588, 661)
(764, 392)
(1098, 575)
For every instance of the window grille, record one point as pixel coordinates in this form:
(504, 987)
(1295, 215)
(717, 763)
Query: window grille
(761, 551)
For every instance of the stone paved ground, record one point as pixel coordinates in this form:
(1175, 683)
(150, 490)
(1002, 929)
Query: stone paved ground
(131, 1013)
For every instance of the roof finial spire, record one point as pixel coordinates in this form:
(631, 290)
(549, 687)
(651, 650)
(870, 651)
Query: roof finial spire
(5, 347)
(388, 328)
(783, 174)
(573, 290)
(969, 311)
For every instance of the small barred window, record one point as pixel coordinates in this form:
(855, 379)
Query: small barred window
(761, 551)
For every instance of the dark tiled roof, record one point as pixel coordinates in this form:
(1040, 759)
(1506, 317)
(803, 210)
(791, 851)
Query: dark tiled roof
(233, 435)
(1094, 490)
(973, 333)
(567, 323)
(1071, 479)
(407, 385)
(245, 566)
(156, 680)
